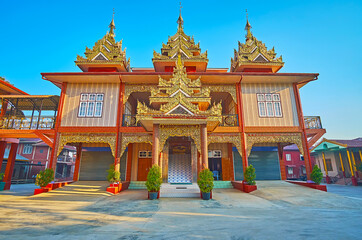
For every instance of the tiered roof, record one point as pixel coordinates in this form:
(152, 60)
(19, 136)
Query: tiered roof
(106, 52)
(180, 42)
(253, 54)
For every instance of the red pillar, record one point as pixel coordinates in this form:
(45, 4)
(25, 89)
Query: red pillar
(2, 151)
(230, 156)
(283, 174)
(307, 160)
(77, 162)
(155, 144)
(129, 162)
(239, 98)
(204, 152)
(10, 165)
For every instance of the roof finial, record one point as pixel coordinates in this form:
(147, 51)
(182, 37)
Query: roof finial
(180, 20)
(112, 26)
(248, 35)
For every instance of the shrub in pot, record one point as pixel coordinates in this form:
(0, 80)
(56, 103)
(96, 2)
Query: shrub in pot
(154, 181)
(2, 184)
(316, 176)
(206, 183)
(43, 178)
(249, 179)
(113, 175)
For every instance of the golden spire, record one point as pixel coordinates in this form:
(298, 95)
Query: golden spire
(112, 26)
(180, 20)
(248, 35)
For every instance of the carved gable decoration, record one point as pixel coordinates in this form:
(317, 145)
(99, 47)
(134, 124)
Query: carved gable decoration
(105, 51)
(254, 52)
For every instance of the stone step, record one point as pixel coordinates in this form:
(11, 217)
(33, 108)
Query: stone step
(135, 185)
(223, 184)
(179, 191)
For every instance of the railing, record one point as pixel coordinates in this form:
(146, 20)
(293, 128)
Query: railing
(229, 120)
(15, 122)
(130, 121)
(312, 122)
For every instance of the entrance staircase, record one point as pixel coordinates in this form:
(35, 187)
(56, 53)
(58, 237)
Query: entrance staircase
(179, 190)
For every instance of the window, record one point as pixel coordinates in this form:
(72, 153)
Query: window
(290, 170)
(329, 164)
(91, 105)
(41, 151)
(288, 157)
(27, 149)
(214, 154)
(269, 105)
(303, 170)
(145, 154)
(301, 157)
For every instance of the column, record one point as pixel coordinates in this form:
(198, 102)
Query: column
(2, 151)
(354, 165)
(283, 174)
(353, 178)
(194, 162)
(231, 159)
(328, 180)
(77, 162)
(340, 158)
(155, 144)
(129, 162)
(204, 152)
(10, 165)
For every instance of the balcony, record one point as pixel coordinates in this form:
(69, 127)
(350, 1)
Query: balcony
(28, 111)
(129, 120)
(313, 122)
(229, 120)
(16, 122)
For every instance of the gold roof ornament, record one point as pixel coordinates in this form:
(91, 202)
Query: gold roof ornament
(254, 54)
(180, 96)
(106, 52)
(180, 42)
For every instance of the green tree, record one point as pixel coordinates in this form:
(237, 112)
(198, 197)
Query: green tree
(249, 175)
(43, 178)
(206, 181)
(154, 179)
(316, 175)
(113, 175)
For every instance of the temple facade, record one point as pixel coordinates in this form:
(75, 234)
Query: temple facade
(179, 114)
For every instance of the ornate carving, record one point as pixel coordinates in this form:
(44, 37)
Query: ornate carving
(295, 138)
(224, 88)
(180, 42)
(254, 52)
(134, 138)
(192, 131)
(130, 88)
(105, 51)
(226, 138)
(66, 138)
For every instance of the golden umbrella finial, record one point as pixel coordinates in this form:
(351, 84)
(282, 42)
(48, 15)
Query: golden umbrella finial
(180, 20)
(112, 26)
(248, 35)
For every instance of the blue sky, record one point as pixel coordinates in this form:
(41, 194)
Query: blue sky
(313, 37)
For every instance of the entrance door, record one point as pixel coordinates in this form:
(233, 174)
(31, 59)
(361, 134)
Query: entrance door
(144, 165)
(179, 160)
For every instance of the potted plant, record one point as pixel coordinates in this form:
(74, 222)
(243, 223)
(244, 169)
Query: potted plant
(2, 184)
(249, 179)
(113, 177)
(43, 178)
(316, 176)
(206, 183)
(154, 181)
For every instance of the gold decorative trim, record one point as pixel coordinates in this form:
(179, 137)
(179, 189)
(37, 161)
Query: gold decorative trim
(166, 131)
(234, 139)
(66, 138)
(134, 138)
(295, 138)
(130, 88)
(224, 88)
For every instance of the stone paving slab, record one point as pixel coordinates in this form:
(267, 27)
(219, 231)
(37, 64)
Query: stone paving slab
(277, 210)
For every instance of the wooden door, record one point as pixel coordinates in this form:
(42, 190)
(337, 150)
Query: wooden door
(226, 169)
(144, 165)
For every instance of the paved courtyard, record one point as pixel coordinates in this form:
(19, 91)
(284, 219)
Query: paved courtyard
(278, 210)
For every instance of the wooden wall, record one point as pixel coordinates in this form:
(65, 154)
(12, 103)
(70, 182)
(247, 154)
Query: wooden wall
(251, 114)
(71, 104)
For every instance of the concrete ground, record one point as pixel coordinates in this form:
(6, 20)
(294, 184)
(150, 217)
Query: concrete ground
(277, 210)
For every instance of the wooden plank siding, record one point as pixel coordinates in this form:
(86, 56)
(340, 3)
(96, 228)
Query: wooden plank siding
(251, 114)
(71, 105)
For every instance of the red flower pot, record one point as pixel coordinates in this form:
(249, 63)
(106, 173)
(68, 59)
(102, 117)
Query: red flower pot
(249, 188)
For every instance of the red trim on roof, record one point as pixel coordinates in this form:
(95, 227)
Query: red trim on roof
(11, 86)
